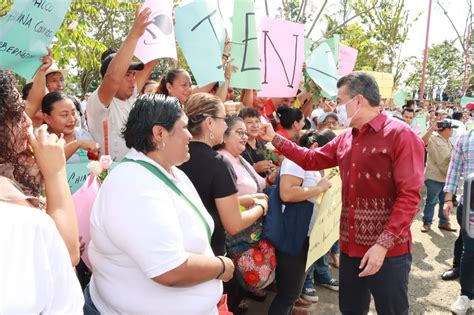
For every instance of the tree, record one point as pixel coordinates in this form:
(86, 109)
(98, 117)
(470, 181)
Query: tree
(444, 70)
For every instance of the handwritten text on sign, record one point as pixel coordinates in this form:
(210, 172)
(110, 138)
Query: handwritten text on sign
(326, 228)
(200, 31)
(281, 57)
(26, 31)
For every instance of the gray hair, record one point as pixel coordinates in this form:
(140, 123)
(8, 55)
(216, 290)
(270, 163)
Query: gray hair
(360, 82)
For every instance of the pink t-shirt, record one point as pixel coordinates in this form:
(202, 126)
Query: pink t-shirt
(246, 183)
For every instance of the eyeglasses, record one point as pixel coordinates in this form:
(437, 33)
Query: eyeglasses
(241, 133)
(219, 117)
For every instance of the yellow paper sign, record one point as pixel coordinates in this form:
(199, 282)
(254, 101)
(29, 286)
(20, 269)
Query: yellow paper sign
(385, 82)
(325, 231)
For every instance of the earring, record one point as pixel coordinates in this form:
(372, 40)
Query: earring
(211, 135)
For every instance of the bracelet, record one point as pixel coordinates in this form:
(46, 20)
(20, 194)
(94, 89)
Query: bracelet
(263, 208)
(448, 201)
(223, 267)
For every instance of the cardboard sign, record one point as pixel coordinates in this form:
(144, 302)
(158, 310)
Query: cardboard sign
(200, 30)
(158, 40)
(26, 31)
(281, 57)
(385, 83)
(325, 231)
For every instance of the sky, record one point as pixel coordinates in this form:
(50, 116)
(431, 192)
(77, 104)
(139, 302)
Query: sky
(440, 28)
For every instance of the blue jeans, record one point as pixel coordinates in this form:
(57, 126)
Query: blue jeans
(318, 272)
(335, 248)
(89, 307)
(467, 263)
(434, 195)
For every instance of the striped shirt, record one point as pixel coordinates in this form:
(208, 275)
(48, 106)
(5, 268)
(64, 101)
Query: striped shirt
(462, 161)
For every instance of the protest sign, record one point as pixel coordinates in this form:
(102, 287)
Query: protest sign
(281, 57)
(158, 41)
(347, 59)
(400, 98)
(420, 124)
(385, 83)
(244, 51)
(333, 43)
(466, 100)
(325, 231)
(200, 30)
(77, 174)
(322, 69)
(26, 32)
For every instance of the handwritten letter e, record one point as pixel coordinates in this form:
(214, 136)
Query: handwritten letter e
(282, 56)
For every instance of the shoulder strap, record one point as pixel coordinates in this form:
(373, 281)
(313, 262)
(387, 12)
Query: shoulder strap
(158, 173)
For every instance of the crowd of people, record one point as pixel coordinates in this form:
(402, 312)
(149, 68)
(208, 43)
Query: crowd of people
(173, 222)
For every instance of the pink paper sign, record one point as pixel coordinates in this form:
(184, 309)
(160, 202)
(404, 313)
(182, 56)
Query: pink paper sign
(347, 59)
(158, 41)
(281, 57)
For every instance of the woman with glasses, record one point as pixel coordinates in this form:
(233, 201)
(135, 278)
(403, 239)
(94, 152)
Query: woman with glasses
(214, 178)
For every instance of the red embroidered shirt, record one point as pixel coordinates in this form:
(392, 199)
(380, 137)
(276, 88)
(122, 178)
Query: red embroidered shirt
(381, 167)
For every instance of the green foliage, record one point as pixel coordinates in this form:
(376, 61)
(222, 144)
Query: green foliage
(444, 70)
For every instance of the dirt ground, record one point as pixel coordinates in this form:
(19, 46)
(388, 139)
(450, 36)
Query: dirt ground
(428, 294)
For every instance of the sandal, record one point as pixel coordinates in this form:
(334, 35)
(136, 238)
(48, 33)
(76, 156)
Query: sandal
(257, 295)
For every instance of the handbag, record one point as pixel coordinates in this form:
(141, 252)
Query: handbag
(288, 229)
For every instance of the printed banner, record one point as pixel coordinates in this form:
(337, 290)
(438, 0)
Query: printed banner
(322, 69)
(385, 83)
(281, 57)
(325, 231)
(26, 32)
(347, 59)
(244, 51)
(200, 30)
(158, 40)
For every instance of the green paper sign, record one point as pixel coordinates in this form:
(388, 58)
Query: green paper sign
(400, 97)
(466, 100)
(200, 31)
(333, 43)
(26, 31)
(419, 124)
(308, 43)
(77, 174)
(322, 69)
(244, 49)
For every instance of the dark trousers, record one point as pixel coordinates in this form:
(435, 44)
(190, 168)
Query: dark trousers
(389, 286)
(467, 265)
(458, 244)
(290, 276)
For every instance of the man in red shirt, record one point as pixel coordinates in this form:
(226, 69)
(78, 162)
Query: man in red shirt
(381, 166)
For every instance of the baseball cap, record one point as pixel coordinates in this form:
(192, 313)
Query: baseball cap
(54, 68)
(447, 123)
(324, 116)
(137, 66)
(470, 106)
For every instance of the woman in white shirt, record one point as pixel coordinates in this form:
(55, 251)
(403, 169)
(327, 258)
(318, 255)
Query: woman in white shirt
(59, 113)
(296, 185)
(150, 248)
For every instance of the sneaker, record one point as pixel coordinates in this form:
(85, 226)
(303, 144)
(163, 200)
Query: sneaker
(333, 284)
(461, 306)
(309, 294)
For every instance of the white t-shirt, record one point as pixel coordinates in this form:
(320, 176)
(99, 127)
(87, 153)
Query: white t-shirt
(116, 115)
(36, 275)
(81, 134)
(457, 132)
(140, 229)
(310, 179)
